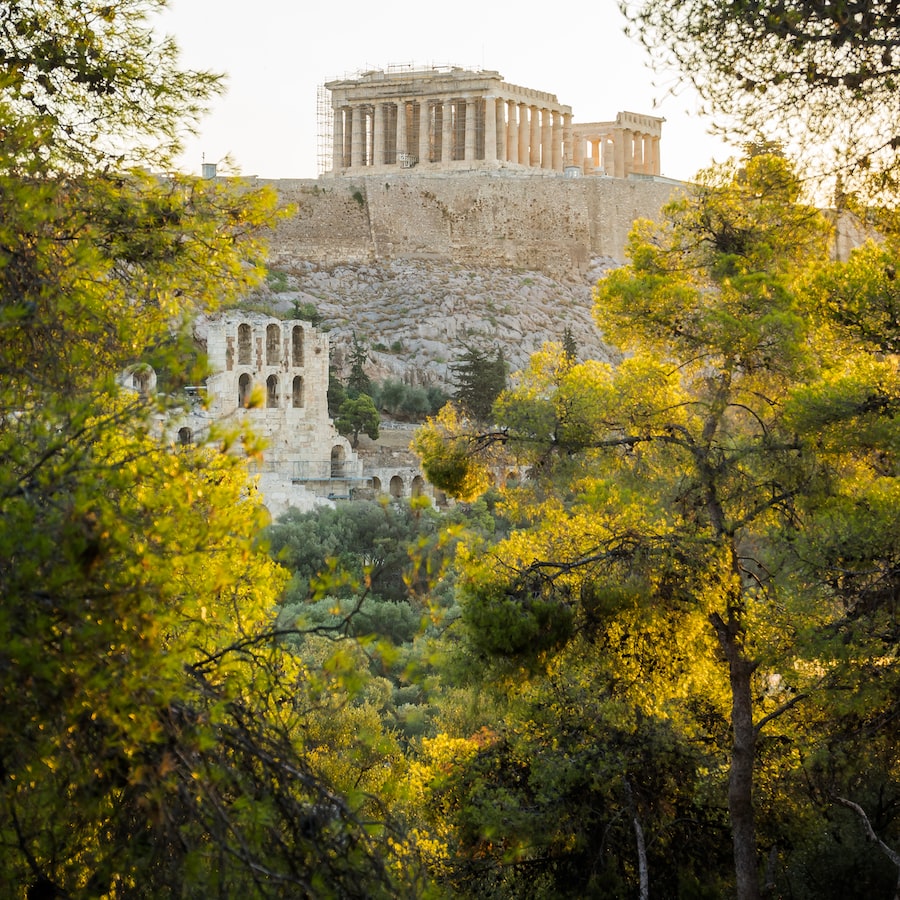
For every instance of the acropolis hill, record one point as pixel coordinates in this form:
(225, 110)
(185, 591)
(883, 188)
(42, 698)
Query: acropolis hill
(429, 172)
(460, 166)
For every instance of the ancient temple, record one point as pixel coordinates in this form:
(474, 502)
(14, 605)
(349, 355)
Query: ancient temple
(450, 119)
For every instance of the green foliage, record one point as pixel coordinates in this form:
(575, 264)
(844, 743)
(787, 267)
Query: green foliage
(152, 729)
(569, 345)
(541, 802)
(707, 530)
(479, 377)
(408, 403)
(96, 85)
(445, 448)
(819, 78)
(307, 311)
(337, 393)
(523, 619)
(358, 415)
(358, 382)
(278, 282)
(369, 542)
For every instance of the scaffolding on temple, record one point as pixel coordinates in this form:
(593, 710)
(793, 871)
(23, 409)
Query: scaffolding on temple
(324, 129)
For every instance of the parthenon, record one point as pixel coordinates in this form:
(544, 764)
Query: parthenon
(446, 119)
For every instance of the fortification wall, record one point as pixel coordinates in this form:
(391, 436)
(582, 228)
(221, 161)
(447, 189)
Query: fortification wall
(551, 224)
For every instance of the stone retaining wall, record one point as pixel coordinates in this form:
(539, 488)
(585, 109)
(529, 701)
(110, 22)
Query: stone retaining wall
(548, 223)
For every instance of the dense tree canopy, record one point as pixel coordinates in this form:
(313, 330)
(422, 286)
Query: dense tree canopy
(690, 529)
(358, 415)
(151, 727)
(821, 78)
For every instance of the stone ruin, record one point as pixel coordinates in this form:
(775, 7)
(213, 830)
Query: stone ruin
(274, 375)
(452, 119)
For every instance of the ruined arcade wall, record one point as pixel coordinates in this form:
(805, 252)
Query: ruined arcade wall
(550, 224)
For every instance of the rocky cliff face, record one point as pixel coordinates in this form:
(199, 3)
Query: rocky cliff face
(418, 316)
(420, 267)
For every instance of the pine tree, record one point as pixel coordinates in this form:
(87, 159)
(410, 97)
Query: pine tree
(480, 378)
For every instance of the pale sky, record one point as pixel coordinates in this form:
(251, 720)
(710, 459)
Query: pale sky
(277, 52)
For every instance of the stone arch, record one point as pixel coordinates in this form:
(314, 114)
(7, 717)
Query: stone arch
(396, 487)
(245, 388)
(185, 436)
(338, 460)
(245, 344)
(418, 486)
(297, 345)
(272, 391)
(273, 345)
(140, 380)
(297, 392)
(376, 484)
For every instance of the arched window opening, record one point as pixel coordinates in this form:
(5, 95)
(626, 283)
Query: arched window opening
(140, 380)
(396, 487)
(245, 386)
(272, 391)
(245, 343)
(297, 392)
(273, 345)
(418, 486)
(376, 484)
(297, 345)
(337, 461)
(185, 437)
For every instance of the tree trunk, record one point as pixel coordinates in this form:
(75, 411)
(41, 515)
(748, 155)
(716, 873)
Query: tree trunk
(643, 872)
(743, 755)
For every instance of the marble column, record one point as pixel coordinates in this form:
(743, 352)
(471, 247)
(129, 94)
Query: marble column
(556, 140)
(622, 138)
(578, 152)
(657, 165)
(638, 153)
(357, 137)
(512, 131)
(648, 155)
(567, 148)
(424, 132)
(446, 133)
(401, 132)
(535, 138)
(546, 139)
(610, 154)
(490, 129)
(469, 152)
(500, 129)
(378, 135)
(523, 134)
(337, 141)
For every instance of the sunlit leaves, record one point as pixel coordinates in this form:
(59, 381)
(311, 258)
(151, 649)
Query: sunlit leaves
(444, 444)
